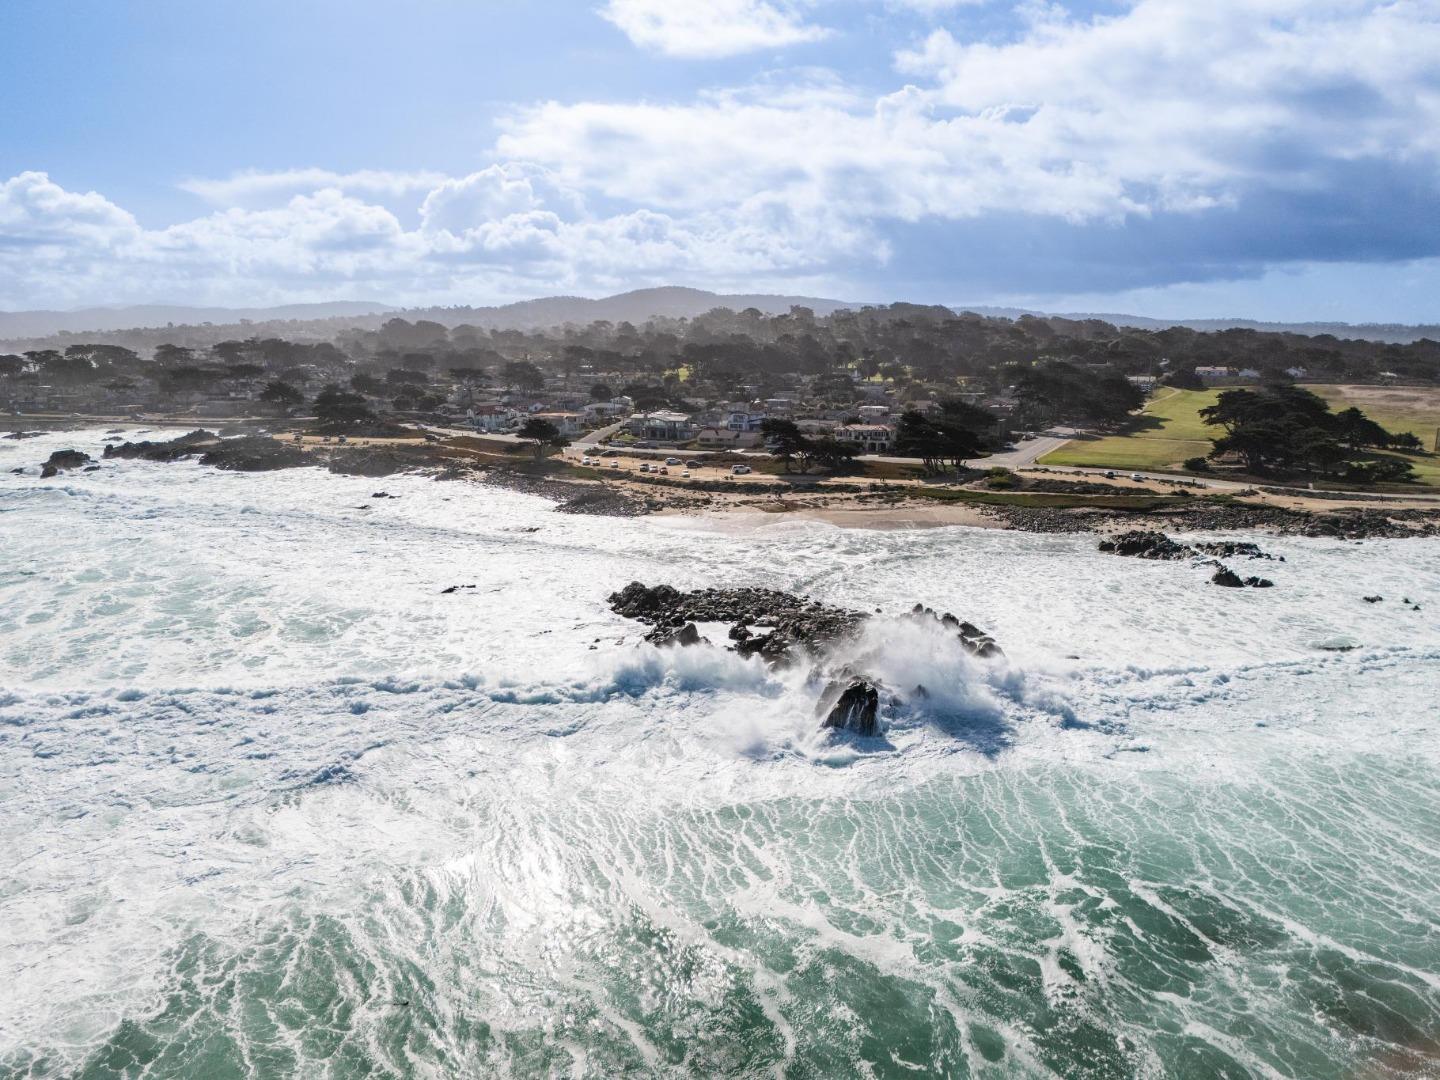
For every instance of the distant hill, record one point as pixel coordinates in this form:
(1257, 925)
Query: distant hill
(1394, 333)
(36, 324)
(204, 325)
(669, 302)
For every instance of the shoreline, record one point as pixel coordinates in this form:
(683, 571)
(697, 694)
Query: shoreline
(760, 499)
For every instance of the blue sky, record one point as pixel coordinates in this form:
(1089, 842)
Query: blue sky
(1264, 158)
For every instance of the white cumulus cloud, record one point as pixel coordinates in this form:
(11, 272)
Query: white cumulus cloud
(711, 28)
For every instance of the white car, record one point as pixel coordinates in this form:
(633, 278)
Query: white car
(685, 475)
(672, 461)
(1137, 477)
(739, 470)
(644, 466)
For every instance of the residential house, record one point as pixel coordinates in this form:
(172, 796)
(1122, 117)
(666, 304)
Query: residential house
(671, 427)
(601, 411)
(1212, 375)
(568, 424)
(870, 438)
(724, 438)
(491, 416)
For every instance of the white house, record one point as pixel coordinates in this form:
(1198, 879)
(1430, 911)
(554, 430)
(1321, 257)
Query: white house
(744, 420)
(870, 438)
(604, 410)
(873, 414)
(568, 423)
(1209, 375)
(492, 417)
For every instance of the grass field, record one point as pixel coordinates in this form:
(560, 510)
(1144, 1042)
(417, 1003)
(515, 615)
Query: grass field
(1170, 429)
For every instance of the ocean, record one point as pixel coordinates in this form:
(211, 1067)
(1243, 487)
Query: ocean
(276, 804)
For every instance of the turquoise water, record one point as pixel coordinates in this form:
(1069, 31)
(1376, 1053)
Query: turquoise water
(277, 807)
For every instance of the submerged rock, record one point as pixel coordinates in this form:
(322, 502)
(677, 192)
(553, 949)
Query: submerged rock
(1231, 549)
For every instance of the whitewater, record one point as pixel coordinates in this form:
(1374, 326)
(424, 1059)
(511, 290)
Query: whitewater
(277, 804)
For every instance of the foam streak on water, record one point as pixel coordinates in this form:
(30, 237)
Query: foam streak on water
(275, 805)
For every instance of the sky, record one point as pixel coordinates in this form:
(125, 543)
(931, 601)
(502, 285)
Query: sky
(1272, 159)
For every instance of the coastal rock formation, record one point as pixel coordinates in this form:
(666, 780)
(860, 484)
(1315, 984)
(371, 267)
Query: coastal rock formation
(1232, 549)
(773, 625)
(256, 453)
(62, 460)
(184, 446)
(852, 706)
(1144, 544)
(1229, 579)
(783, 629)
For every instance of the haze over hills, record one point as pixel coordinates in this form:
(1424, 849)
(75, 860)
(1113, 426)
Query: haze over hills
(29, 324)
(675, 302)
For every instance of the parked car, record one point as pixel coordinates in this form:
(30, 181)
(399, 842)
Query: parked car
(672, 461)
(1136, 476)
(739, 470)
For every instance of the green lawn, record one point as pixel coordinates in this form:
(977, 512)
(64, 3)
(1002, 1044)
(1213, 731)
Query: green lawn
(1169, 430)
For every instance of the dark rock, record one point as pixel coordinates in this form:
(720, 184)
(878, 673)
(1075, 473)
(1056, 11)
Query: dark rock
(853, 707)
(177, 449)
(253, 454)
(1144, 544)
(1231, 580)
(1232, 549)
(19, 435)
(669, 636)
(61, 460)
(1373, 599)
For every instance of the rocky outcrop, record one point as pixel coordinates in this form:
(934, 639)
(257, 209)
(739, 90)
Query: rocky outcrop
(62, 460)
(1234, 549)
(1144, 544)
(774, 625)
(782, 629)
(1228, 579)
(852, 706)
(671, 636)
(187, 445)
(972, 639)
(256, 453)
